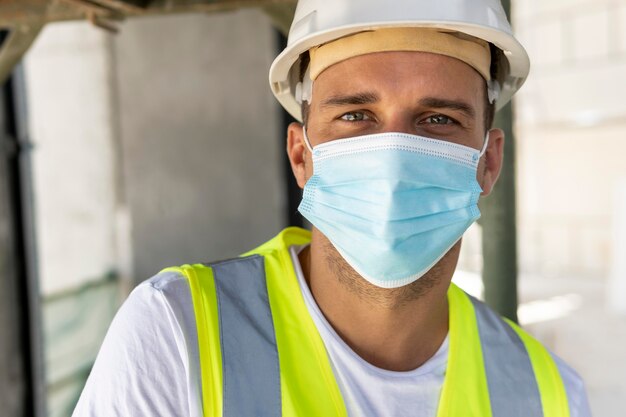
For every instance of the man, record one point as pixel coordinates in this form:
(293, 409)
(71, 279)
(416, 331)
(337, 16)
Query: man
(358, 318)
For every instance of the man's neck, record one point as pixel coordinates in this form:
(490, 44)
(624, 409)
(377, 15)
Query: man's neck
(394, 329)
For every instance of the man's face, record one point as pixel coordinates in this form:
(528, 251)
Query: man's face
(411, 92)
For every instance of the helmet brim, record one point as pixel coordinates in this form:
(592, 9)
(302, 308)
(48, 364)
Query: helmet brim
(284, 74)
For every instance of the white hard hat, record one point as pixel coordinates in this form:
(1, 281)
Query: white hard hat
(317, 22)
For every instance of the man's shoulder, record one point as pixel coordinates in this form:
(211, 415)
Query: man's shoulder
(155, 295)
(148, 355)
(167, 290)
(164, 280)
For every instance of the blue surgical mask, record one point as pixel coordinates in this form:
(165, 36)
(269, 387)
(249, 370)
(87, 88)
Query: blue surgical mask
(392, 204)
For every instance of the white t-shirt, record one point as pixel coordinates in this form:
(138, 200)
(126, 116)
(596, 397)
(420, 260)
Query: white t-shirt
(371, 391)
(148, 364)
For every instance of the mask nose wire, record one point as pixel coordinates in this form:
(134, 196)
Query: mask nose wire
(306, 140)
(485, 143)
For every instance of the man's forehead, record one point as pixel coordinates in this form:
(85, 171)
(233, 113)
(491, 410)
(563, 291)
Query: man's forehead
(400, 81)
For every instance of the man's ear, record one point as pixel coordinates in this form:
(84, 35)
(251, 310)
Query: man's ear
(492, 163)
(297, 152)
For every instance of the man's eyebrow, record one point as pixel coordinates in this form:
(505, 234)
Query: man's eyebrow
(350, 99)
(442, 103)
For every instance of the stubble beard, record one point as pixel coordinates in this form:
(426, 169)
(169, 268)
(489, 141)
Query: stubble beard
(389, 298)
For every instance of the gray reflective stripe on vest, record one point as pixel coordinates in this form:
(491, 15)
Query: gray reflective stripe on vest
(249, 354)
(513, 390)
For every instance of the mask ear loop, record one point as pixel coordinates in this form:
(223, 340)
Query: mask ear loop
(306, 140)
(485, 143)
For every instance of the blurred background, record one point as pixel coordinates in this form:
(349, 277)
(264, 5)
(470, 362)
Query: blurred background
(131, 143)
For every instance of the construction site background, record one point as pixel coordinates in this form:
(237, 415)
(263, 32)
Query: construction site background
(163, 145)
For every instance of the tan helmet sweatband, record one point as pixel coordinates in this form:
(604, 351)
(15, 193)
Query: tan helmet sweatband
(474, 52)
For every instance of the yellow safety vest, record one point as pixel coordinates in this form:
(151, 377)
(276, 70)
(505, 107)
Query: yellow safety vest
(261, 354)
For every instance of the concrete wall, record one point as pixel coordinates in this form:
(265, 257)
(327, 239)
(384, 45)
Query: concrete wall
(201, 146)
(70, 111)
(69, 86)
(155, 147)
(168, 129)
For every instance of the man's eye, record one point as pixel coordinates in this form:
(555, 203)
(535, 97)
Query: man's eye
(439, 119)
(354, 116)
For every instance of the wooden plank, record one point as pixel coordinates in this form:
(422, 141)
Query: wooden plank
(125, 6)
(15, 46)
(14, 12)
